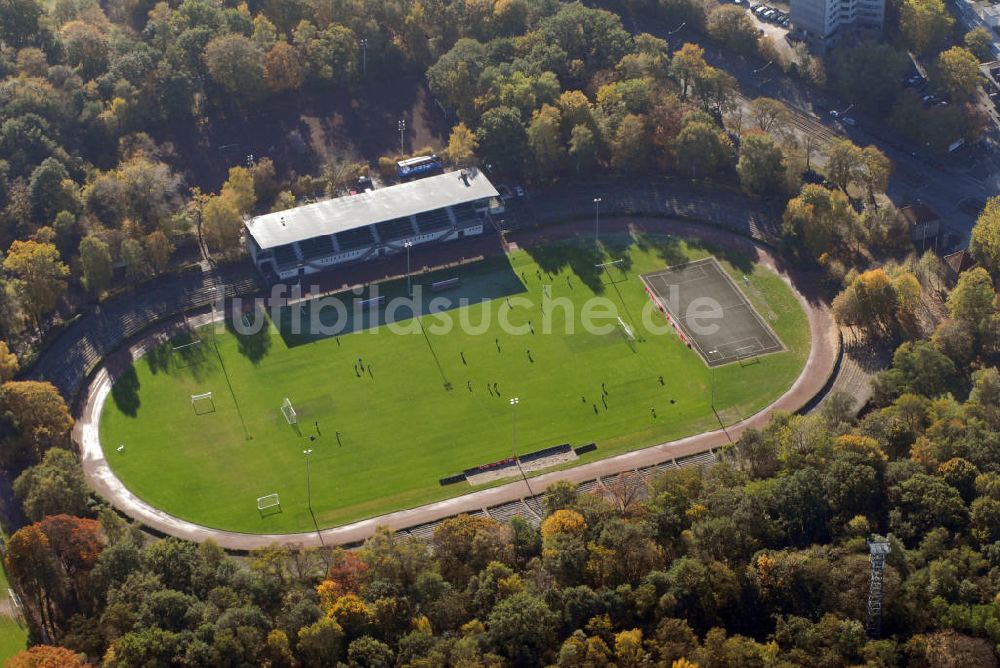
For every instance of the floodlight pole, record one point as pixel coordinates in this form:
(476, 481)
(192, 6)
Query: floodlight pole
(717, 417)
(364, 56)
(308, 479)
(407, 245)
(402, 128)
(513, 414)
(597, 221)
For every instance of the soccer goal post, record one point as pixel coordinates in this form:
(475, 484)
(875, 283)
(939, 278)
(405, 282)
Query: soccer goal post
(267, 502)
(203, 403)
(289, 412)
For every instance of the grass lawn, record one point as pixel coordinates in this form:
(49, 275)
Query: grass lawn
(401, 428)
(13, 637)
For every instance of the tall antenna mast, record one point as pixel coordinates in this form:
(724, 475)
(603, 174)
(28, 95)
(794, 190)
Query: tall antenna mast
(878, 548)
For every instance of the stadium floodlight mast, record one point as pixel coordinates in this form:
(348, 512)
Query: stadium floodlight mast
(402, 128)
(597, 220)
(408, 245)
(364, 56)
(309, 500)
(513, 414)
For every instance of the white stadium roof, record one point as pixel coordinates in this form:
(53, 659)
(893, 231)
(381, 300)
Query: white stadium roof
(367, 208)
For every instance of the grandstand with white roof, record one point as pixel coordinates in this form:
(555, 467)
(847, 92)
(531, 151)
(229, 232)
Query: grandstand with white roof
(320, 236)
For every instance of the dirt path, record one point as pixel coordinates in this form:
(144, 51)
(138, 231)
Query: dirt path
(814, 379)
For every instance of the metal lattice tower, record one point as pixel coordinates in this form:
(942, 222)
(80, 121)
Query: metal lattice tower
(878, 548)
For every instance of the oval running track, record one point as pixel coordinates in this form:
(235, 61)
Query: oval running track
(814, 380)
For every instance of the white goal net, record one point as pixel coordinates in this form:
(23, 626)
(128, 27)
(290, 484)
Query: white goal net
(268, 501)
(290, 415)
(203, 403)
(626, 329)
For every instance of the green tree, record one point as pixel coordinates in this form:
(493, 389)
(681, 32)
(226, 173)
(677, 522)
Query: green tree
(925, 24)
(582, 146)
(957, 73)
(56, 485)
(701, 147)
(19, 20)
(47, 190)
(869, 75)
(134, 257)
(95, 260)
(321, 643)
(973, 299)
(924, 502)
(819, 219)
(502, 139)
(761, 165)
(464, 545)
(545, 140)
(980, 43)
(237, 65)
(367, 652)
(41, 276)
(985, 242)
(522, 627)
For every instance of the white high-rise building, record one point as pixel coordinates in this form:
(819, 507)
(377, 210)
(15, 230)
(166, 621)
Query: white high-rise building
(822, 22)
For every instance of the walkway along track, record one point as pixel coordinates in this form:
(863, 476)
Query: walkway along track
(507, 499)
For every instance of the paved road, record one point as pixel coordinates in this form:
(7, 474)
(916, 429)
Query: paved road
(814, 380)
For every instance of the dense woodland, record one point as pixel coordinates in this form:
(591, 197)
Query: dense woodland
(759, 560)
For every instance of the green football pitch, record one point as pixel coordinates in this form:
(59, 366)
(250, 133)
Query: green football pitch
(423, 405)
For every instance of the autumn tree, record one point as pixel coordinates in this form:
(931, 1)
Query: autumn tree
(844, 162)
(282, 68)
(731, 26)
(874, 171)
(9, 364)
(222, 224)
(957, 73)
(545, 140)
(870, 301)
(33, 419)
(30, 563)
(630, 149)
(462, 146)
(770, 115)
(925, 24)
(688, 65)
(819, 219)
(41, 276)
(47, 656)
(985, 242)
(464, 545)
(159, 248)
